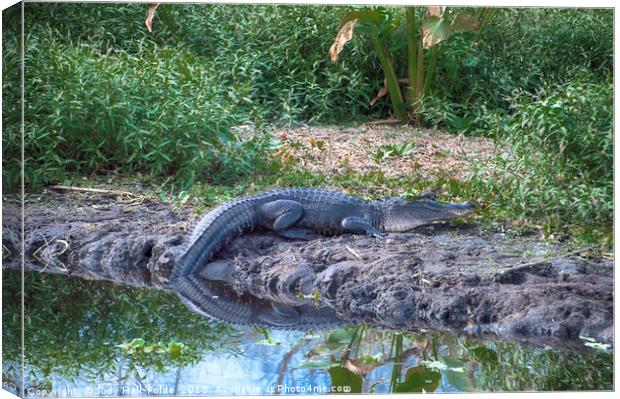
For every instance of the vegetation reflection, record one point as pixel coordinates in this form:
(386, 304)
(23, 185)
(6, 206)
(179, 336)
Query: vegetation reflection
(430, 361)
(76, 329)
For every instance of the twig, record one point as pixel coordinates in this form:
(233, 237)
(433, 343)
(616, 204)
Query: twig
(94, 190)
(391, 121)
(47, 262)
(538, 262)
(358, 256)
(6, 252)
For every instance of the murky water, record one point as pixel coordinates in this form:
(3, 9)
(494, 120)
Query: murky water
(97, 339)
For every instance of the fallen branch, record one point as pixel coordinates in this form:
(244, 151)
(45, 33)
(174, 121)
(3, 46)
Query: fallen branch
(94, 190)
(390, 121)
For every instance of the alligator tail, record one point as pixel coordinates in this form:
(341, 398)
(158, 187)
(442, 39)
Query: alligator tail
(208, 301)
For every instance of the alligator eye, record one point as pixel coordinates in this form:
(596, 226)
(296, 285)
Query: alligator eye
(428, 195)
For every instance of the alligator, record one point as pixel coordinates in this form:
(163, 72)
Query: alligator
(294, 213)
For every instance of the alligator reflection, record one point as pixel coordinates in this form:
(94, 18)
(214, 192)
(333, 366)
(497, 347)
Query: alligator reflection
(88, 338)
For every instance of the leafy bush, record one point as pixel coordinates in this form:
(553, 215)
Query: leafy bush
(520, 49)
(559, 163)
(11, 95)
(154, 111)
(102, 93)
(275, 57)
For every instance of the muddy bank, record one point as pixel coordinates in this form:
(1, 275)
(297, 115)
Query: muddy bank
(441, 277)
(124, 240)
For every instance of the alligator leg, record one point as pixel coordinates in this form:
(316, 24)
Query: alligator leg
(286, 214)
(361, 226)
(298, 233)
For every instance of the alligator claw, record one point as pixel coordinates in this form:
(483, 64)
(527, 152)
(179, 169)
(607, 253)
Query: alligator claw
(377, 234)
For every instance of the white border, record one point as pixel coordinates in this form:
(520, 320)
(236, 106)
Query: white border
(500, 3)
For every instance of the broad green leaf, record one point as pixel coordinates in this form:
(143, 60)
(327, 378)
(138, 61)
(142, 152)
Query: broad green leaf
(137, 343)
(318, 364)
(345, 381)
(465, 22)
(434, 30)
(419, 379)
(174, 350)
(367, 16)
(341, 335)
(484, 355)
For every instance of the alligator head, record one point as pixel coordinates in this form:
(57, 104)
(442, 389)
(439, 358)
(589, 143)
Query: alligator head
(399, 215)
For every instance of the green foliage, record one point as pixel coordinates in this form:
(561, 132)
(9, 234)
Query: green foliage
(540, 83)
(152, 111)
(465, 364)
(385, 28)
(157, 356)
(11, 98)
(419, 379)
(72, 325)
(519, 49)
(104, 94)
(559, 160)
(392, 150)
(510, 367)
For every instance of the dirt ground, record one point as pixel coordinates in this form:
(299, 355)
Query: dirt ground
(358, 149)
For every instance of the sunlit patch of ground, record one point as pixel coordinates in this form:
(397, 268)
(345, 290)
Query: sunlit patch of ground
(394, 151)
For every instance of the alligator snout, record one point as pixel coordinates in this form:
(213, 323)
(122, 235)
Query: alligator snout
(464, 206)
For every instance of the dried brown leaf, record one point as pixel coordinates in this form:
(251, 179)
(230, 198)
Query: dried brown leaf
(358, 367)
(149, 17)
(384, 90)
(434, 31)
(381, 93)
(344, 35)
(436, 11)
(465, 22)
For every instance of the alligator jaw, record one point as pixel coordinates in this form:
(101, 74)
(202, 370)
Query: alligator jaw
(405, 216)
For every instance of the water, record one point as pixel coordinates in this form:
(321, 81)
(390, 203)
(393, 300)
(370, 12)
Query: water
(97, 339)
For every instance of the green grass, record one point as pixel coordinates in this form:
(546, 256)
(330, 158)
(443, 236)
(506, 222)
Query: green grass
(104, 96)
